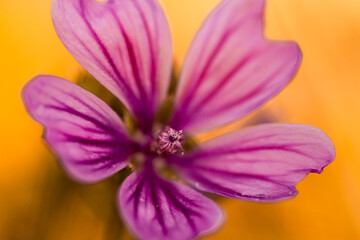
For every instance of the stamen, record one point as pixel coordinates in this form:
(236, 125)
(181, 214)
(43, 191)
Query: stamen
(169, 142)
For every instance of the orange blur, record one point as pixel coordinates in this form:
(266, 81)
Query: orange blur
(39, 202)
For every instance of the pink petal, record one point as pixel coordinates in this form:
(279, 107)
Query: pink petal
(261, 163)
(156, 209)
(87, 135)
(231, 69)
(125, 45)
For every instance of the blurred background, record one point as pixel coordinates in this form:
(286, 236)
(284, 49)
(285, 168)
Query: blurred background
(38, 201)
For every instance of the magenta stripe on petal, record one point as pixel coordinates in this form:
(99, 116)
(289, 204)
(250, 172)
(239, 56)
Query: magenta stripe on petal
(261, 163)
(231, 69)
(126, 45)
(87, 135)
(157, 209)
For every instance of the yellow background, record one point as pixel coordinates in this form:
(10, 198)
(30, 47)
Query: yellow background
(37, 200)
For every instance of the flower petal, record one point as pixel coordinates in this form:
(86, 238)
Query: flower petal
(88, 136)
(231, 69)
(126, 45)
(261, 163)
(157, 209)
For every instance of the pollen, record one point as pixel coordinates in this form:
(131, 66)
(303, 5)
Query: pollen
(169, 141)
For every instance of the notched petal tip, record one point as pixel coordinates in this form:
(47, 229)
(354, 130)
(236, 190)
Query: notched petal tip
(231, 68)
(328, 147)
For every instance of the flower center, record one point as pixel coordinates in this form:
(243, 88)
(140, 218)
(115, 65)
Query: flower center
(169, 141)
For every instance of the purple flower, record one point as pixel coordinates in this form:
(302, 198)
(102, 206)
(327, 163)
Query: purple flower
(229, 71)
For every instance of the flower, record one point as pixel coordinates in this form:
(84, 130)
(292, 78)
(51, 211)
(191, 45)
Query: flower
(229, 71)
